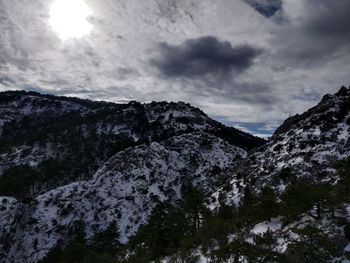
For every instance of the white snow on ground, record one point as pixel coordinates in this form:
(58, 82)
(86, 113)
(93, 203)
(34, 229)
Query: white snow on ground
(203, 259)
(261, 228)
(347, 248)
(200, 258)
(284, 235)
(124, 190)
(232, 197)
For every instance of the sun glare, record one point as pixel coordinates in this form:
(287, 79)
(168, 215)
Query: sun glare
(68, 18)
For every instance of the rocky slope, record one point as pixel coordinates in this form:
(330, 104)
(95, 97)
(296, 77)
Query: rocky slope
(59, 140)
(124, 190)
(305, 145)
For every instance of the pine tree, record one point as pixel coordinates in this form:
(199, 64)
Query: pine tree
(108, 240)
(268, 205)
(195, 209)
(163, 233)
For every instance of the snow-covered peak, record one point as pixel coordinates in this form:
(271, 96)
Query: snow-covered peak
(332, 109)
(305, 145)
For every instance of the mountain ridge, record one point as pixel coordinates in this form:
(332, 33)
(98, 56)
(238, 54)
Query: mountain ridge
(187, 150)
(43, 132)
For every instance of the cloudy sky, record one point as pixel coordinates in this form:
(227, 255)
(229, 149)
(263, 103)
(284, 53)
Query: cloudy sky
(248, 63)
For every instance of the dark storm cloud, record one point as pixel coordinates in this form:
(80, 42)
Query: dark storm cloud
(329, 20)
(321, 33)
(208, 66)
(252, 93)
(265, 7)
(204, 56)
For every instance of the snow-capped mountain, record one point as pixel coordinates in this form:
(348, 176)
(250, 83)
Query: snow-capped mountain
(125, 158)
(61, 140)
(161, 148)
